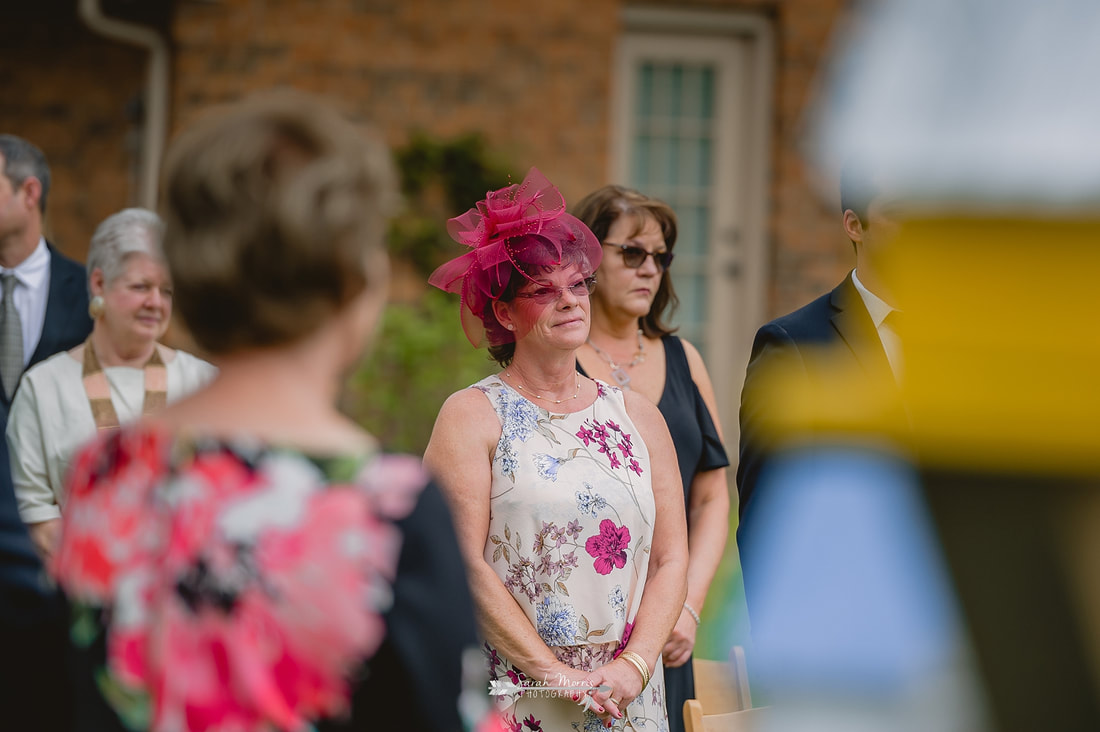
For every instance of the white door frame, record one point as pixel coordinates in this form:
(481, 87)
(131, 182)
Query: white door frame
(737, 282)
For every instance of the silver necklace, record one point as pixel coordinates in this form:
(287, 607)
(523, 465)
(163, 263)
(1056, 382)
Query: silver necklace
(618, 373)
(523, 388)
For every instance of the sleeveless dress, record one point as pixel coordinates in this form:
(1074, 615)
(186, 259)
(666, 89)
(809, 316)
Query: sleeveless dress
(232, 585)
(570, 532)
(698, 449)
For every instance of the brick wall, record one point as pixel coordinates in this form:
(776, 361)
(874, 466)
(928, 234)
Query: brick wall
(73, 95)
(533, 77)
(809, 252)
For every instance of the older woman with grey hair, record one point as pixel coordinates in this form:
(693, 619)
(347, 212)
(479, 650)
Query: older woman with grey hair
(119, 374)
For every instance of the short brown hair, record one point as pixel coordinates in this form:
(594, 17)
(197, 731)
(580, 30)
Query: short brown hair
(272, 206)
(600, 209)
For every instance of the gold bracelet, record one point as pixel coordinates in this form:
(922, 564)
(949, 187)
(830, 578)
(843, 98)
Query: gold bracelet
(694, 615)
(639, 667)
(639, 663)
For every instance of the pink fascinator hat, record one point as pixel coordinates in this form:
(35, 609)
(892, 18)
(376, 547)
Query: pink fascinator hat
(521, 228)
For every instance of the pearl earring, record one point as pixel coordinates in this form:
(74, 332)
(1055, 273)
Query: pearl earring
(96, 306)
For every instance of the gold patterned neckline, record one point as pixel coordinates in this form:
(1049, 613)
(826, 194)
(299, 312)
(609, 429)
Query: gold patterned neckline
(98, 389)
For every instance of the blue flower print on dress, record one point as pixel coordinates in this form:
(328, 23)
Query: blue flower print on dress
(506, 456)
(616, 600)
(592, 723)
(547, 466)
(556, 621)
(519, 418)
(589, 502)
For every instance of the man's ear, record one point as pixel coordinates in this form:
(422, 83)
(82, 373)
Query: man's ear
(853, 226)
(32, 192)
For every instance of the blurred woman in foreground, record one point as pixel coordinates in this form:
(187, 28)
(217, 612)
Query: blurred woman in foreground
(234, 560)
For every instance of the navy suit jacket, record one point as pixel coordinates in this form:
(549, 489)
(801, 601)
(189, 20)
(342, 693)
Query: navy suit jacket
(67, 322)
(32, 618)
(796, 343)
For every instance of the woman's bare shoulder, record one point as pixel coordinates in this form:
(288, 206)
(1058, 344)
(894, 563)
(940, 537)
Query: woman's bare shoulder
(470, 413)
(643, 412)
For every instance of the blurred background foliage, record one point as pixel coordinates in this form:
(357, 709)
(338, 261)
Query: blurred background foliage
(421, 354)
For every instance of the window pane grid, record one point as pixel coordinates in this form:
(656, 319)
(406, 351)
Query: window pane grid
(671, 159)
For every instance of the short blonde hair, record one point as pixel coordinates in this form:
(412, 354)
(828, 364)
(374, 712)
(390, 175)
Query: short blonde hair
(273, 206)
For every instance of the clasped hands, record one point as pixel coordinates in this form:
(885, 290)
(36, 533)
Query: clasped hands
(606, 690)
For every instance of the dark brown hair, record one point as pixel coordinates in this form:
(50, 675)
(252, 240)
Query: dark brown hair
(600, 209)
(272, 207)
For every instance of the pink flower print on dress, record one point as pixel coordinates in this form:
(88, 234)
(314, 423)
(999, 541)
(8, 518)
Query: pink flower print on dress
(242, 588)
(603, 434)
(609, 546)
(625, 639)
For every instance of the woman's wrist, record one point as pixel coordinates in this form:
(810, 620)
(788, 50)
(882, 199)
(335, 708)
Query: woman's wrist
(692, 612)
(639, 664)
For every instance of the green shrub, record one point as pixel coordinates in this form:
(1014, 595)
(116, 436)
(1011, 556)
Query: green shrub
(420, 357)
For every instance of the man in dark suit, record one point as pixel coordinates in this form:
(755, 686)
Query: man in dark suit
(44, 310)
(51, 299)
(830, 353)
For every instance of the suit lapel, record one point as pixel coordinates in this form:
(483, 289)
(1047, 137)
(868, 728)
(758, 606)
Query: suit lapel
(854, 325)
(66, 290)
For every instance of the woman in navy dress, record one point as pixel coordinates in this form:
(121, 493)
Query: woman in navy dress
(632, 346)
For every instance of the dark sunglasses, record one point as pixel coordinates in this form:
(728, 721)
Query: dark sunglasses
(634, 257)
(547, 295)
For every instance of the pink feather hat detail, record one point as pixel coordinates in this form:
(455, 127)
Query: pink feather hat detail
(519, 228)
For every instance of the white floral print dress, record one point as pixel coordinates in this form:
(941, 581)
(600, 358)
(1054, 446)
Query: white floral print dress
(571, 522)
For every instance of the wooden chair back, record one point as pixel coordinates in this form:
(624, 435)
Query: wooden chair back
(723, 687)
(745, 720)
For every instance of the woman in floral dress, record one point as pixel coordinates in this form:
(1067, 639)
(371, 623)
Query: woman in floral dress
(565, 490)
(247, 561)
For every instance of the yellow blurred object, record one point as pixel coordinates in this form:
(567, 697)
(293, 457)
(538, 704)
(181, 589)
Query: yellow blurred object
(1001, 352)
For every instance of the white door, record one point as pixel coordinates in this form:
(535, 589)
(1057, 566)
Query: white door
(687, 127)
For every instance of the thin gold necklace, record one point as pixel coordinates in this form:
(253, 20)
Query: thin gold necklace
(523, 388)
(618, 373)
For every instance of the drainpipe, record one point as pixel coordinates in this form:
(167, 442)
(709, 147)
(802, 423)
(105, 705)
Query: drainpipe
(156, 91)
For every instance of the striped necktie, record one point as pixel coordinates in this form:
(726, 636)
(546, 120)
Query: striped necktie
(11, 338)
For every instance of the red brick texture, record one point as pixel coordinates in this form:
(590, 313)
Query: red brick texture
(534, 78)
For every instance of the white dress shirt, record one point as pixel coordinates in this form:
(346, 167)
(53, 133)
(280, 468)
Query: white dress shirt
(878, 309)
(32, 292)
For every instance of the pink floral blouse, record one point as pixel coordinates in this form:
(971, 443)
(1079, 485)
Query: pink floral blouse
(233, 586)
